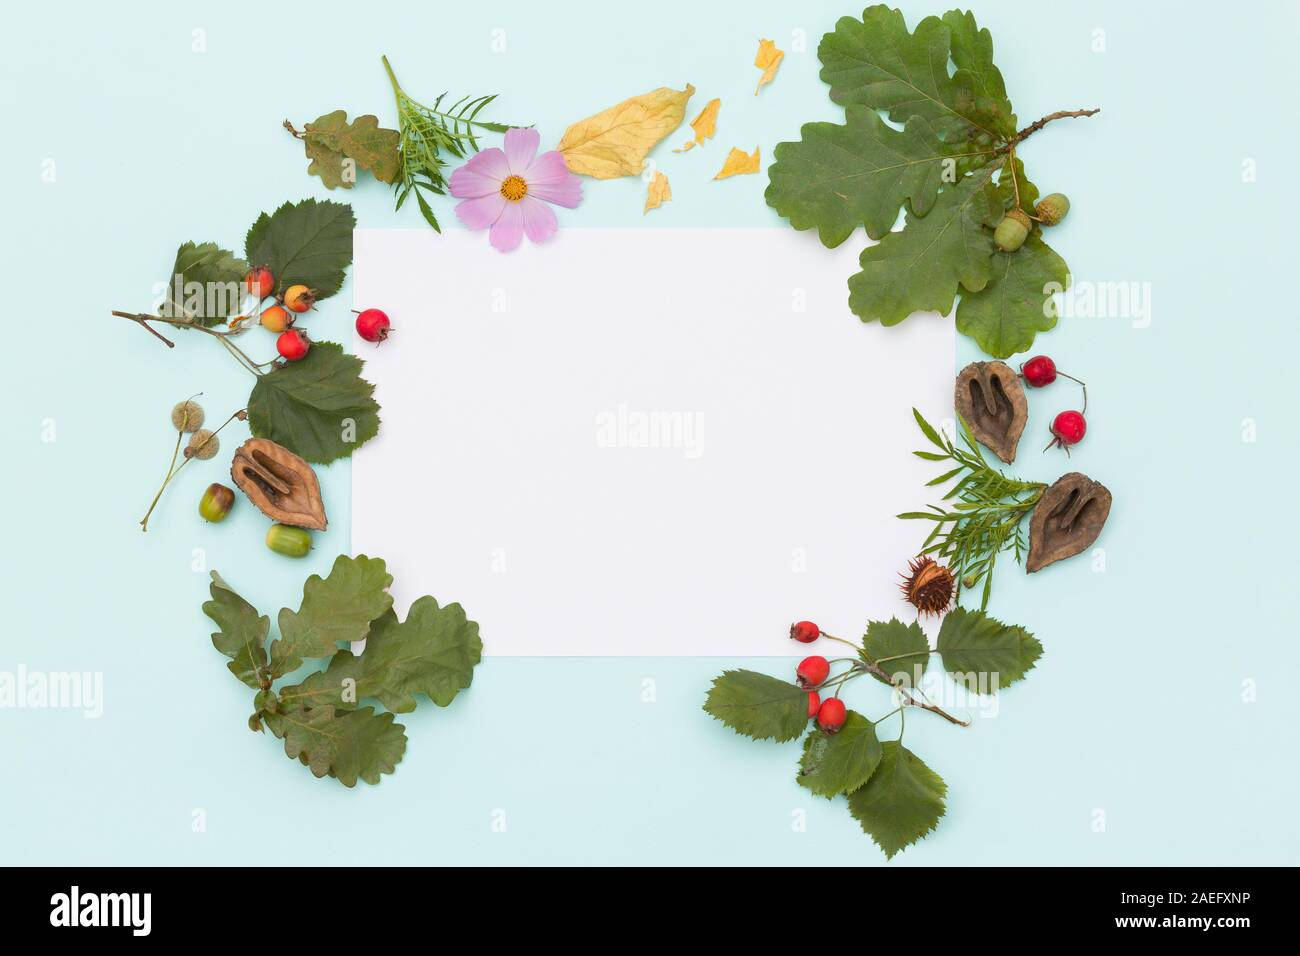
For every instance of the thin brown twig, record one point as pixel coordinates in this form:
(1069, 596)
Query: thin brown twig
(1035, 126)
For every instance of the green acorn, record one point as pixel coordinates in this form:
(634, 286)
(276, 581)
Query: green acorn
(1052, 209)
(1013, 230)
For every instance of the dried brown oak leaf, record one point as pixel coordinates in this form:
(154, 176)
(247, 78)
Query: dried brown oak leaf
(282, 485)
(991, 400)
(1066, 519)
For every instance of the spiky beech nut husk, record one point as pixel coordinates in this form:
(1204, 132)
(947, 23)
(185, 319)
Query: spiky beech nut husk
(216, 502)
(1051, 209)
(187, 416)
(928, 585)
(203, 445)
(1013, 230)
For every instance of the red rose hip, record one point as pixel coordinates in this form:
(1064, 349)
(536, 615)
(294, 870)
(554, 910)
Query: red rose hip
(831, 715)
(373, 325)
(1039, 371)
(292, 345)
(805, 632)
(812, 671)
(1068, 428)
(814, 703)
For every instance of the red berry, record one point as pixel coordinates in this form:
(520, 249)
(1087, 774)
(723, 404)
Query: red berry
(812, 671)
(1039, 371)
(814, 703)
(831, 715)
(373, 325)
(1069, 428)
(292, 344)
(260, 282)
(805, 632)
(299, 298)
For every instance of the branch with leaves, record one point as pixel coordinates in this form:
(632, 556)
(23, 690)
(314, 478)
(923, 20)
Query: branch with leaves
(891, 792)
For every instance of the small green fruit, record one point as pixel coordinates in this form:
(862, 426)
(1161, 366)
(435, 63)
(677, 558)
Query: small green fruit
(216, 502)
(1052, 209)
(288, 540)
(187, 416)
(1013, 230)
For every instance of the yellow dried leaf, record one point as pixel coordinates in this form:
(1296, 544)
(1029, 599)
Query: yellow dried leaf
(705, 125)
(768, 60)
(615, 142)
(738, 162)
(657, 193)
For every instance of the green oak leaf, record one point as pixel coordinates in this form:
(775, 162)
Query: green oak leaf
(205, 285)
(363, 141)
(243, 632)
(920, 268)
(877, 63)
(433, 652)
(349, 745)
(902, 647)
(758, 706)
(844, 762)
(307, 243)
(981, 92)
(1017, 303)
(902, 801)
(980, 652)
(336, 608)
(320, 407)
(837, 178)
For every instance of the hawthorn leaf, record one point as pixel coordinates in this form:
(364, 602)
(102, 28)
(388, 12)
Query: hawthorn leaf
(349, 745)
(902, 647)
(320, 407)
(836, 178)
(209, 283)
(981, 93)
(305, 243)
(363, 141)
(242, 634)
(433, 652)
(1017, 303)
(982, 653)
(902, 802)
(920, 268)
(846, 760)
(874, 61)
(336, 608)
(758, 706)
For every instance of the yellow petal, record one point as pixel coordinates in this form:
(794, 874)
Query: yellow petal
(769, 61)
(738, 162)
(615, 142)
(657, 193)
(705, 125)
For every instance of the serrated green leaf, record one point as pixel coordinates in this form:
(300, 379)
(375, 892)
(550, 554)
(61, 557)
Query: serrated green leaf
(307, 243)
(981, 93)
(981, 652)
(1017, 303)
(876, 62)
(836, 178)
(331, 138)
(921, 267)
(205, 285)
(336, 608)
(320, 407)
(433, 652)
(844, 762)
(243, 632)
(902, 802)
(902, 647)
(758, 706)
(349, 745)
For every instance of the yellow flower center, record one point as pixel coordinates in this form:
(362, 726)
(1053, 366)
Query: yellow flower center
(514, 188)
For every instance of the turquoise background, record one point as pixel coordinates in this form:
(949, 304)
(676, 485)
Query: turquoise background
(1136, 708)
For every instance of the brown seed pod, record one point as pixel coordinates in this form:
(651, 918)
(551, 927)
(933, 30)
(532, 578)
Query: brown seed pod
(1066, 520)
(928, 585)
(991, 401)
(279, 483)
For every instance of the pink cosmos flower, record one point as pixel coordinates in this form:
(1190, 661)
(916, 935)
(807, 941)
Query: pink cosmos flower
(508, 190)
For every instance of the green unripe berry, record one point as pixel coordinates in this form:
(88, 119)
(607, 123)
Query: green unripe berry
(216, 502)
(1052, 209)
(187, 416)
(1013, 230)
(203, 445)
(288, 540)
